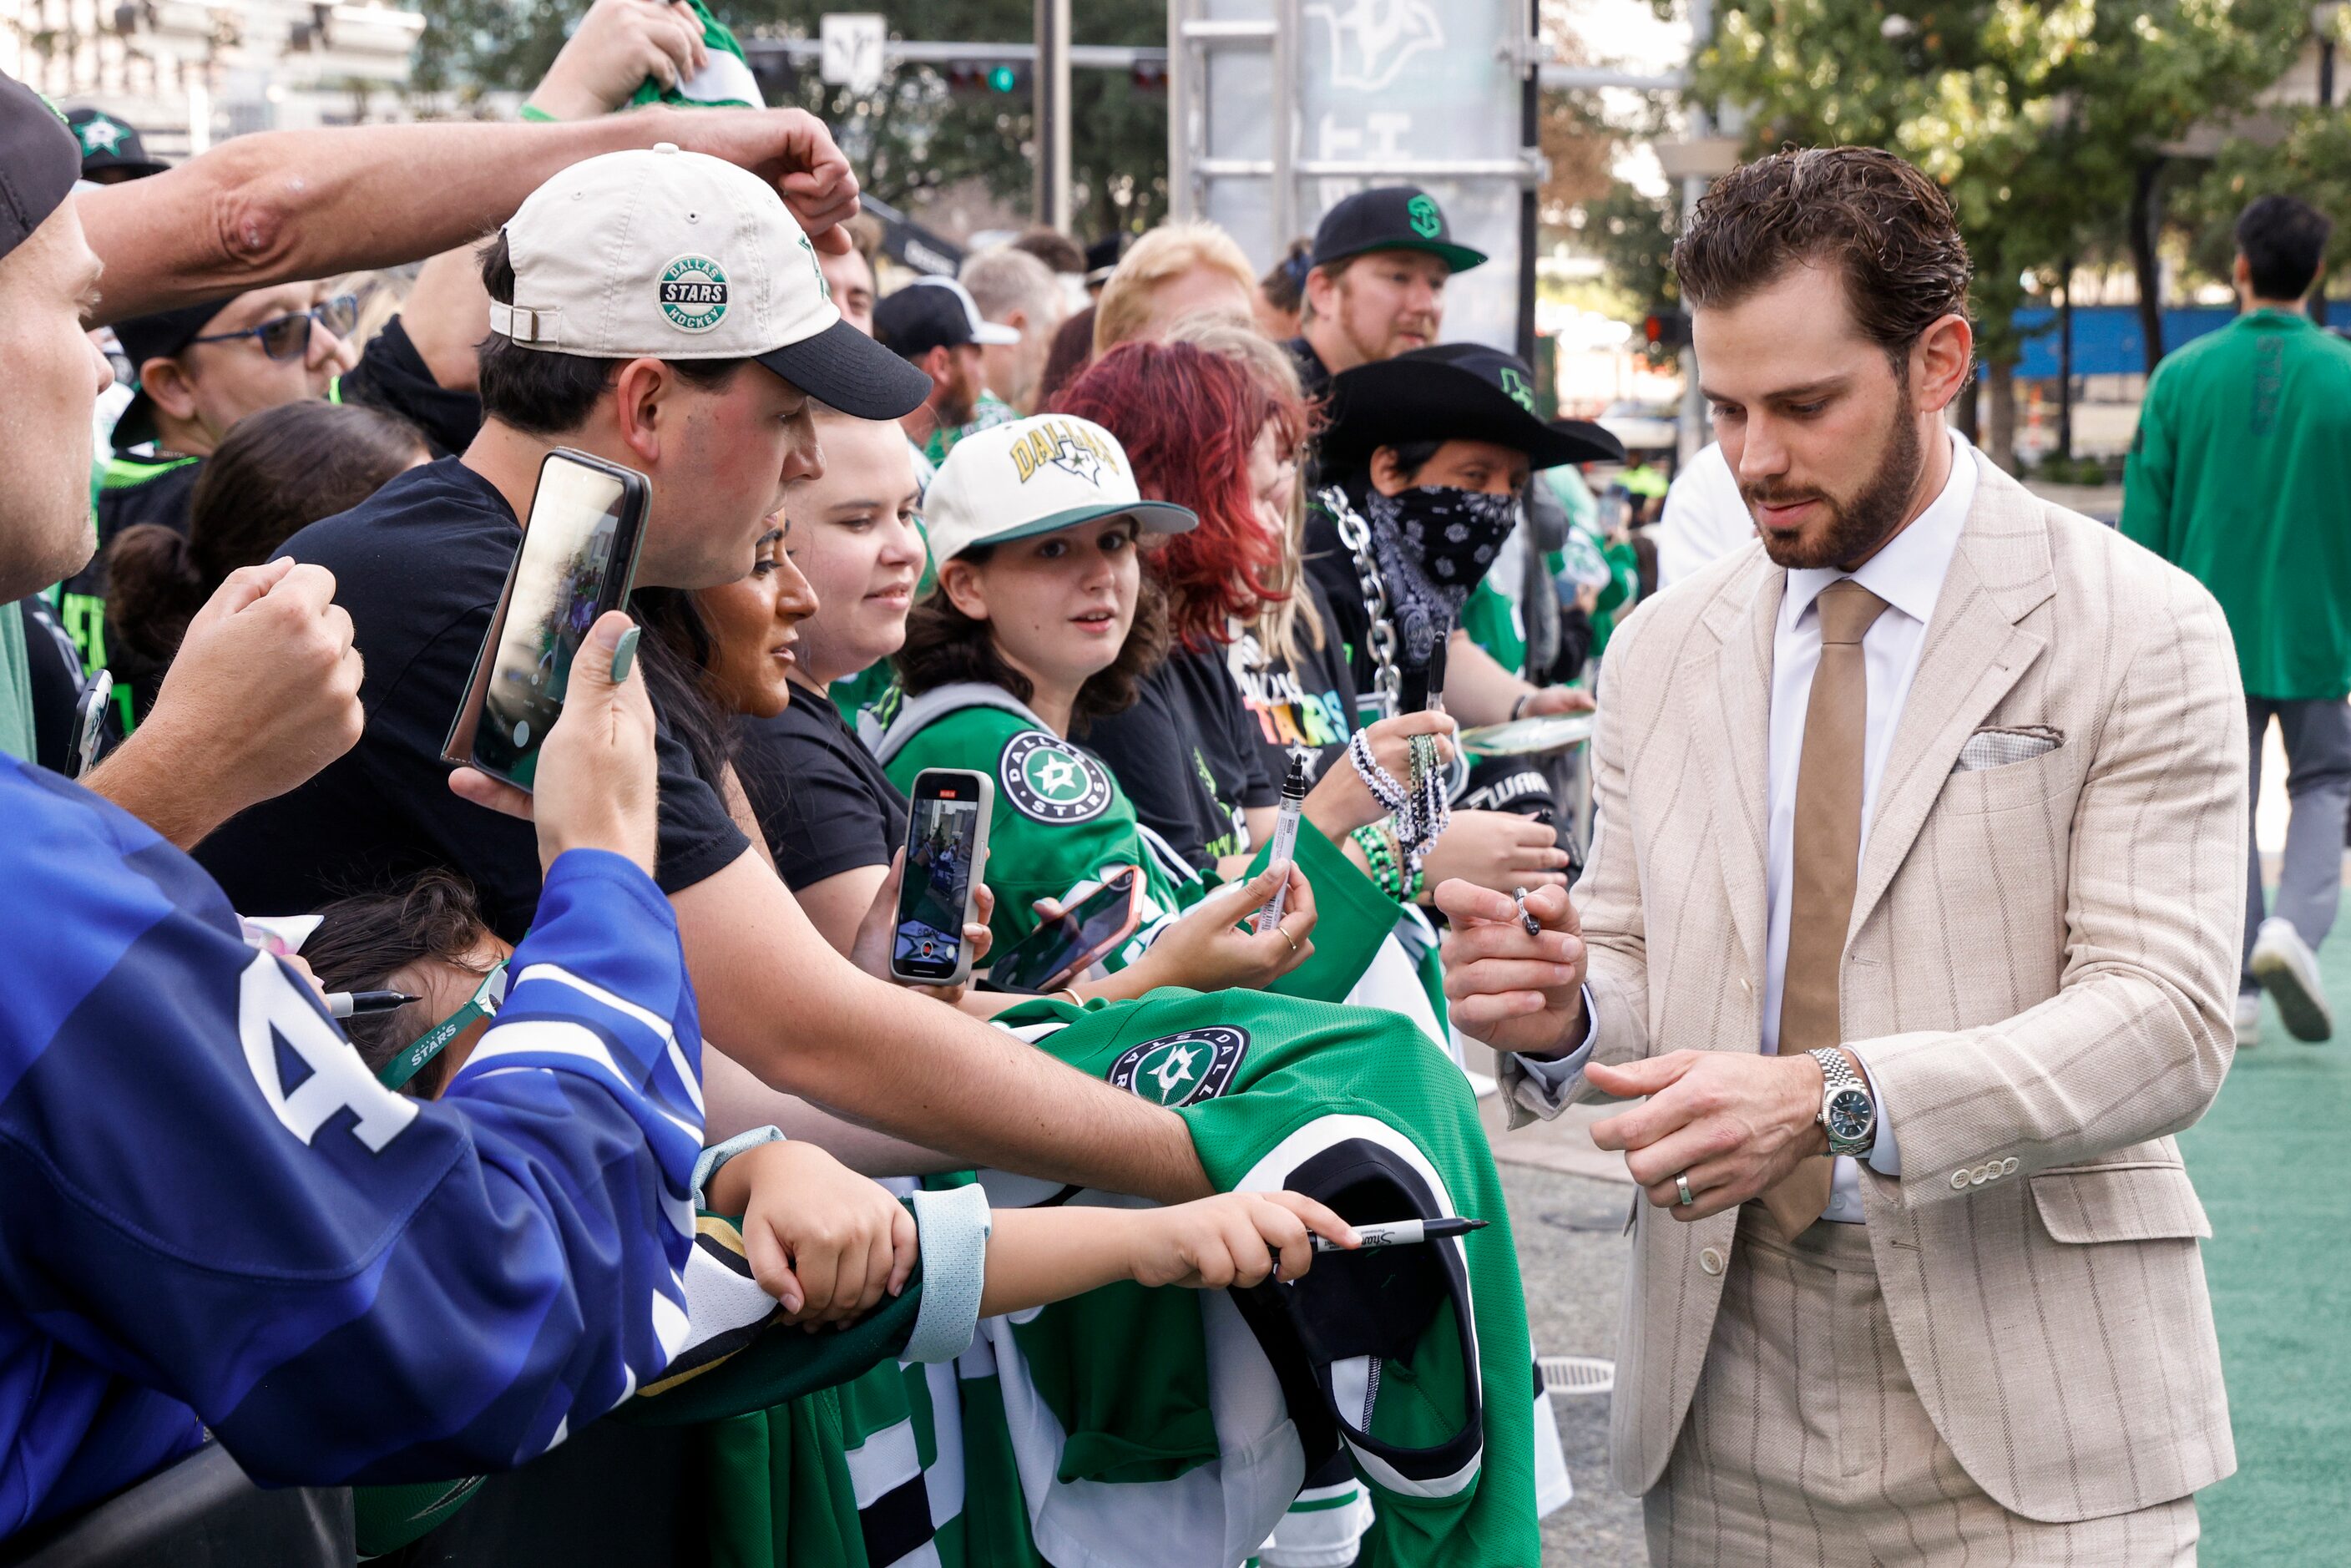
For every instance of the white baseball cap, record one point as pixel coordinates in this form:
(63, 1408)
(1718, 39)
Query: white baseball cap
(679, 256)
(1036, 476)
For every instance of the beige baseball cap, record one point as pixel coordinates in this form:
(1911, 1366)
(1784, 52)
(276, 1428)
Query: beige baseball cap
(1036, 476)
(671, 254)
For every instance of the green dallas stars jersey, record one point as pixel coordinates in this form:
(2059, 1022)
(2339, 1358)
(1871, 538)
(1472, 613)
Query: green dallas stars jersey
(1141, 1415)
(1061, 819)
(1190, 1419)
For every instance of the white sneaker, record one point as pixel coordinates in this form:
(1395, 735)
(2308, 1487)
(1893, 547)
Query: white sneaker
(2287, 969)
(2249, 1019)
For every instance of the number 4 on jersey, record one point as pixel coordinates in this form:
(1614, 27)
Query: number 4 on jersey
(269, 1009)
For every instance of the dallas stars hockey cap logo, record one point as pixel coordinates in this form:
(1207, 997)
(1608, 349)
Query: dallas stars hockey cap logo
(694, 293)
(100, 134)
(1059, 444)
(1178, 1068)
(1050, 779)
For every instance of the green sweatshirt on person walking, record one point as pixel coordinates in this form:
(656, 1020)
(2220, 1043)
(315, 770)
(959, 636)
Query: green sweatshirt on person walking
(2241, 474)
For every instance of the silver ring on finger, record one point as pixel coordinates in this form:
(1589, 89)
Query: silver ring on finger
(1681, 1187)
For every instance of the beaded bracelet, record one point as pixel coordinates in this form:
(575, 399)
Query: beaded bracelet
(1377, 842)
(1373, 842)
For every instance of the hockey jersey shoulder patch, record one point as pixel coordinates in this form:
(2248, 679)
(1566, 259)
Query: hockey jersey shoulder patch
(1178, 1069)
(1049, 780)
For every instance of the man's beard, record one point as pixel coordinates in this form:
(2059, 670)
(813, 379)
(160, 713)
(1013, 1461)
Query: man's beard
(1858, 525)
(959, 407)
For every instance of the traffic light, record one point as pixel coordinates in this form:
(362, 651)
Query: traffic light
(1668, 330)
(982, 75)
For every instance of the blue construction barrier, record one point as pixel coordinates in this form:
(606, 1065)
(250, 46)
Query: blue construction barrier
(2107, 341)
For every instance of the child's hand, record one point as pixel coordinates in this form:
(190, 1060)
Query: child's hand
(823, 1240)
(1230, 1240)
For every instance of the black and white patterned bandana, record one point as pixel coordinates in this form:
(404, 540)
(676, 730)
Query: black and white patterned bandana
(1433, 546)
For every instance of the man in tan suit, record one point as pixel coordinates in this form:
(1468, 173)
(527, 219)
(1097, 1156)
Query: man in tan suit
(1935, 794)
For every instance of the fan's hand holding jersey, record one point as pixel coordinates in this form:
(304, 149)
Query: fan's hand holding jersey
(215, 1215)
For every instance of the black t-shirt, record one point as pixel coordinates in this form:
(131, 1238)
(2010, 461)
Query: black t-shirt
(823, 801)
(1186, 754)
(1304, 710)
(420, 565)
(392, 376)
(138, 488)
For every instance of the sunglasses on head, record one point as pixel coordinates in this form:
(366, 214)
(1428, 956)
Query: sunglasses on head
(288, 336)
(483, 1004)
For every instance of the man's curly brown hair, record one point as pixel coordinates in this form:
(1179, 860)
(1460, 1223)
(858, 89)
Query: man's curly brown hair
(1884, 226)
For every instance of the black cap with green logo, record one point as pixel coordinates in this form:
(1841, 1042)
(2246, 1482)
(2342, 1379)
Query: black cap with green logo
(1392, 217)
(108, 143)
(39, 162)
(1464, 391)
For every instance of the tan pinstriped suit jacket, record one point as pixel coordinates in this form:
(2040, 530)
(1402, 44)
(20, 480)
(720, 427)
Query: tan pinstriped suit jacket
(2039, 972)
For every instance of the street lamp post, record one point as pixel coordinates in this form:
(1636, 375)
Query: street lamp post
(1050, 85)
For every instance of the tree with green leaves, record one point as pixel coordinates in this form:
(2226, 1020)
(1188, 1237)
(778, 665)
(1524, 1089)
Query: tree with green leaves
(2046, 122)
(912, 136)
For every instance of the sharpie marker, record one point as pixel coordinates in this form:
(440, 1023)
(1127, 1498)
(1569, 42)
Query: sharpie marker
(1403, 1233)
(1285, 841)
(354, 1004)
(1528, 920)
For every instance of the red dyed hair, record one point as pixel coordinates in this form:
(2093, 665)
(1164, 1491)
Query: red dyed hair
(1188, 419)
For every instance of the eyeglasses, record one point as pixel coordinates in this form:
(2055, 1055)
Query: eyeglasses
(488, 997)
(288, 336)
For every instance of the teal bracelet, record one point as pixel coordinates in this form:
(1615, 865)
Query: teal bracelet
(536, 116)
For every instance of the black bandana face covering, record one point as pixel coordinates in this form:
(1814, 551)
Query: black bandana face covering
(1433, 547)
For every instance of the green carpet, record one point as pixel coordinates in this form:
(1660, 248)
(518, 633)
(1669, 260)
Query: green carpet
(2273, 1163)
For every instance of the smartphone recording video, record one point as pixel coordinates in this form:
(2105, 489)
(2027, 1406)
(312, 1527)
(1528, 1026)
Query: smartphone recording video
(946, 841)
(578, 557)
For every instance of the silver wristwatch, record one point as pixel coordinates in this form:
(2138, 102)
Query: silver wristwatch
(1847, 1109)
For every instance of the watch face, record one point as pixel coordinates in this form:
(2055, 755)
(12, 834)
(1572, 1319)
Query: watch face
(1849, 1116)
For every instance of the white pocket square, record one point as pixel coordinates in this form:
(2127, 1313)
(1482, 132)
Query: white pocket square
(1990, 748)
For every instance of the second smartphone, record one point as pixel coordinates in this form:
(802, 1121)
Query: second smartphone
(946, 848)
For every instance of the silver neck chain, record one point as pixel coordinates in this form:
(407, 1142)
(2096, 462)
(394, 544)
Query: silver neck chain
(1387, 682)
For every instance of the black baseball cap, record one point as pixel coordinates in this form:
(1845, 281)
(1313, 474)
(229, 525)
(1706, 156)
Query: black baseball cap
(934, 313)
(1464, 391)
(39, 162)
(1392, 217)
(110, 143)
(158, 335)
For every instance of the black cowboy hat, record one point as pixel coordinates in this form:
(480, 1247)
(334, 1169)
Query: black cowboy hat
(1464, 391)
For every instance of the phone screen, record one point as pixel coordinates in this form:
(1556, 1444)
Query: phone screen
(559, 581)
(942, 834)
(1084, 931)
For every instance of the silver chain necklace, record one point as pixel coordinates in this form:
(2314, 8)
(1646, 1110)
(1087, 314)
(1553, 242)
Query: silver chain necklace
(1387, 682)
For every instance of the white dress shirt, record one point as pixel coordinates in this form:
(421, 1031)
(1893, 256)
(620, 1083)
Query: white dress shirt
(1705, 518)
(1908, 574)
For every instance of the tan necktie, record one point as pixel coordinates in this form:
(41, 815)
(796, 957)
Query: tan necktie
(1825, 863)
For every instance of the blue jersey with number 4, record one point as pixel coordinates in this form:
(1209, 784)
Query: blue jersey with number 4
(211, 1213)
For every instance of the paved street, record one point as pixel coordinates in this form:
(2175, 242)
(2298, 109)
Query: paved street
(1571, 1255)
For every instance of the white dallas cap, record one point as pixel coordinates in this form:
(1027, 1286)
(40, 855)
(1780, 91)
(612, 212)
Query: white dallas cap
(681, 256)
(1032, 476)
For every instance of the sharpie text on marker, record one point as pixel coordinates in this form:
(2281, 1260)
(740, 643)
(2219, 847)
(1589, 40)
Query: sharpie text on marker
(1403, 1233)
